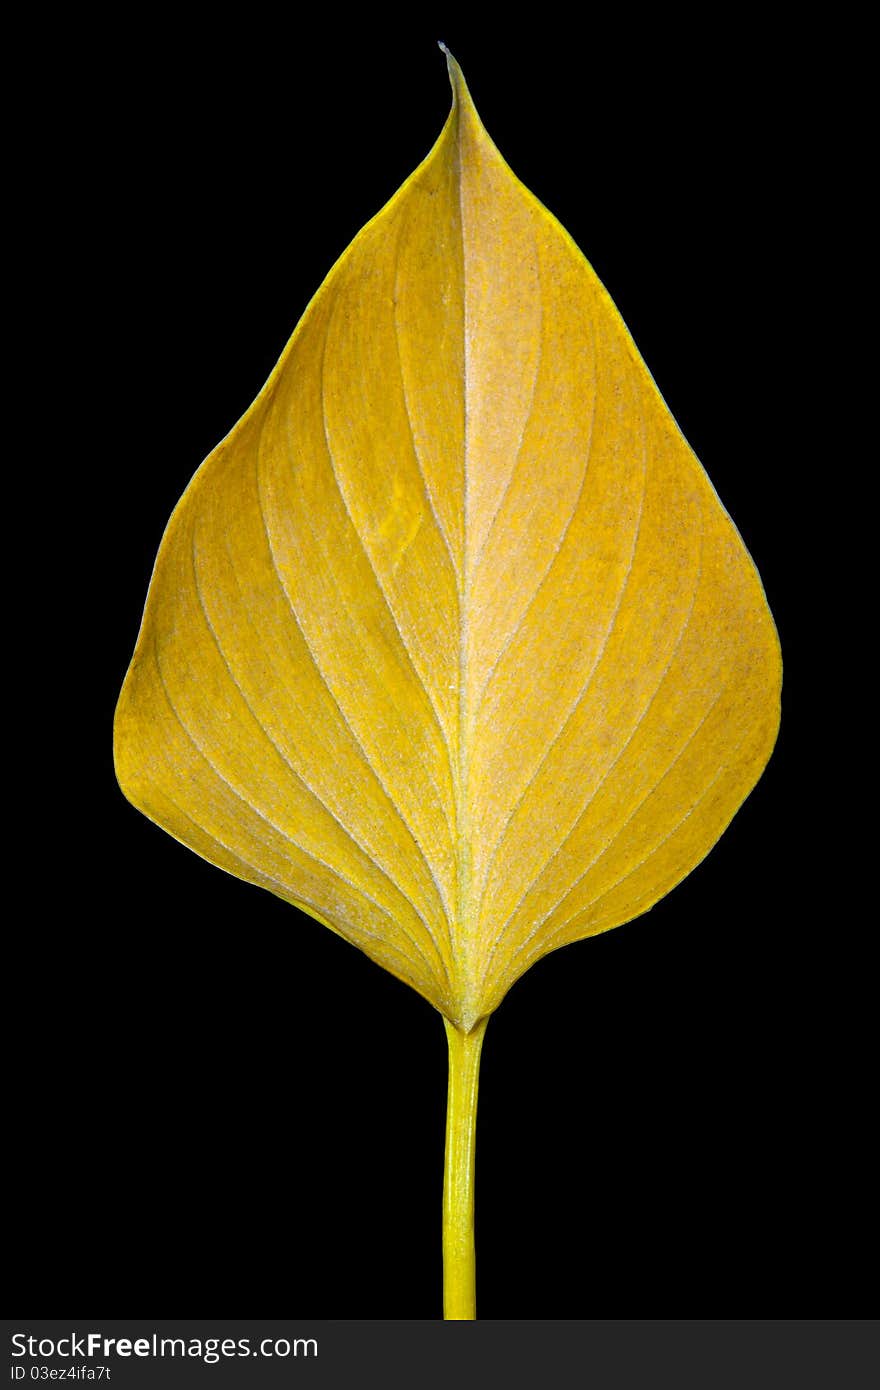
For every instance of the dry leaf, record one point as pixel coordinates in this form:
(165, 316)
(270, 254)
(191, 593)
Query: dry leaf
(450, 642)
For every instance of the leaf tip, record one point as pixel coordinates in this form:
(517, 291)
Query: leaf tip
(456, 76)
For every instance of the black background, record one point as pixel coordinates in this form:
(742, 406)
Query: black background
(219, 1107)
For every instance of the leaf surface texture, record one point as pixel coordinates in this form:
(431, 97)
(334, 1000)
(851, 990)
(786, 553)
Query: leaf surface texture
(450, 642)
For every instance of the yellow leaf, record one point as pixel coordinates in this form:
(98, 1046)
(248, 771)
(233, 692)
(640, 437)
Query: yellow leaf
(450, 642)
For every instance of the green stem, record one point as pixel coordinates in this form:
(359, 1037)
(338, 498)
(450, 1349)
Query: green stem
(459, 1285)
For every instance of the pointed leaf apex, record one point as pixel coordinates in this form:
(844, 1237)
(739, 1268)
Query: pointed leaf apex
(460, 94)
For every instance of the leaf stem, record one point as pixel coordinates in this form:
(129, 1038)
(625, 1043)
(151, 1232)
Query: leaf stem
(459, 1285)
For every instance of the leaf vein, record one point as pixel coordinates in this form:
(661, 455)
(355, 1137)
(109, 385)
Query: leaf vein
(323, 678)
(674, 831)
(599, 857)
(557, 549)
(281, 889)
(581, 696)
(539, 357)
(405, 648)
(429, 496)
(334, 873)
(301, 780)
(638, 725)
